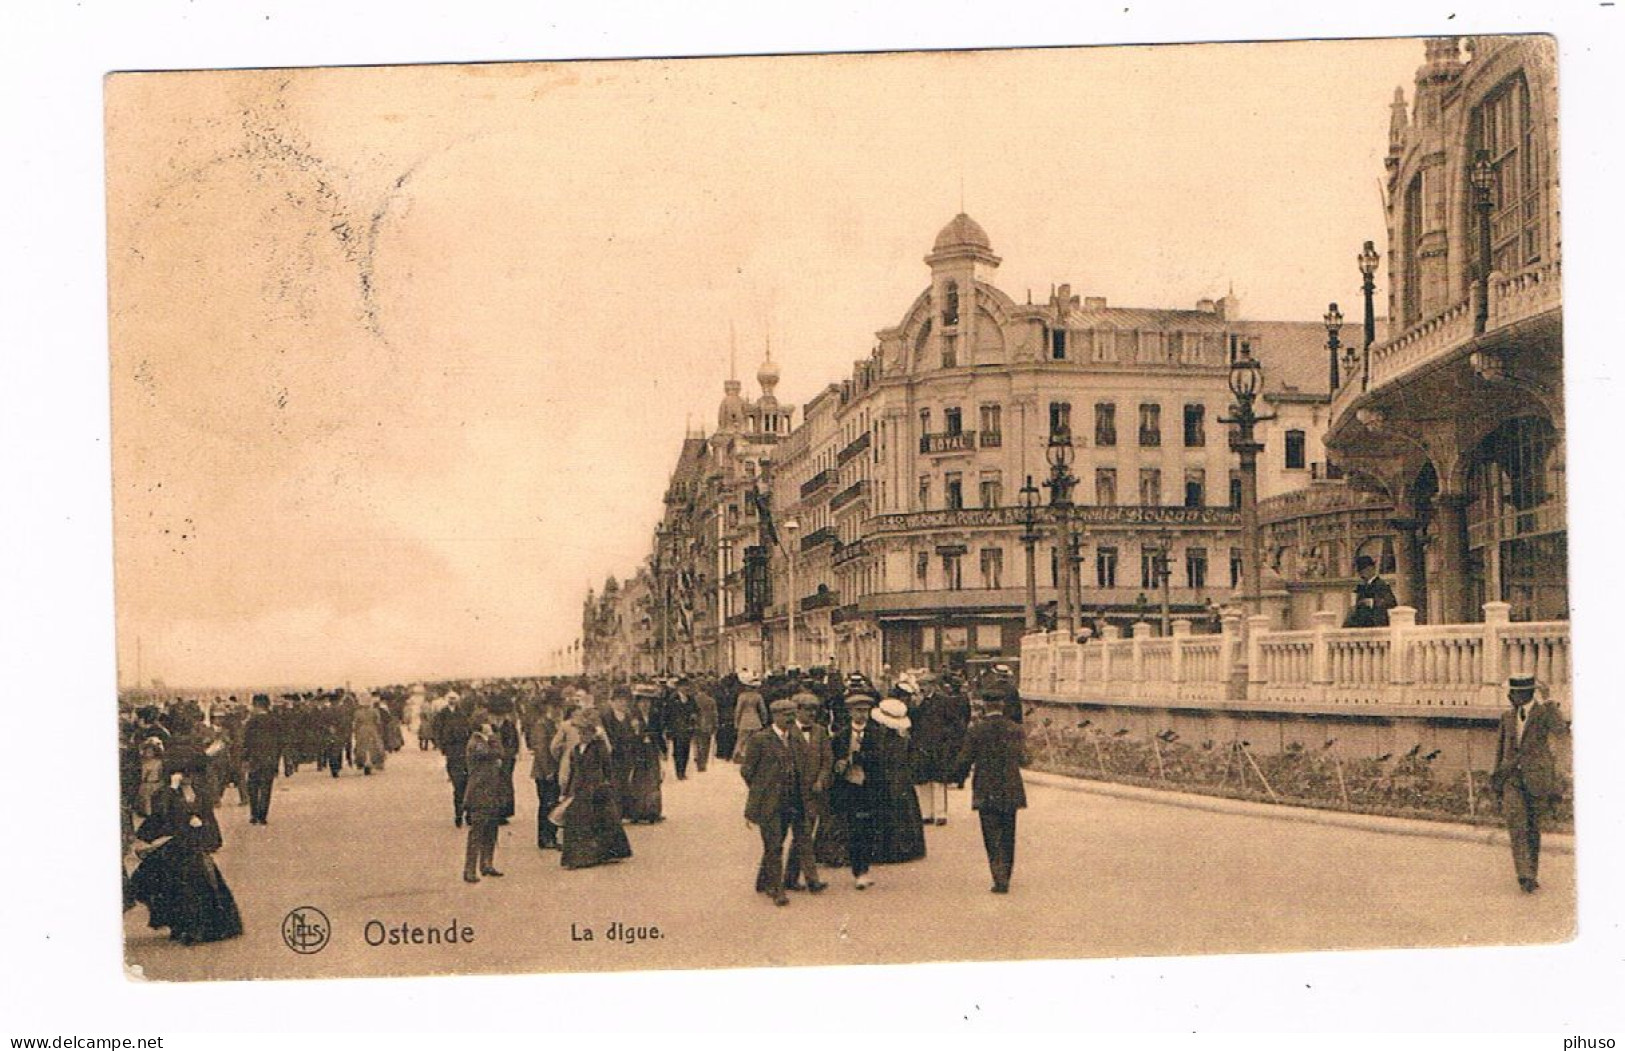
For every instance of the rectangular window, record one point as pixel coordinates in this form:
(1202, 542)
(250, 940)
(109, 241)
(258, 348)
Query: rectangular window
(992, 419)
(1194, 436)
(1195, 487)
(953, 576)
(1105, 424)
(992, 492)
(1150, 487)
(1060, 417)
(1054, 567)
(952, 421)
(1235, 567)
(1105, 487)
(1106, 567)
(1295, 457)
(1148, 567)
(925, 492)
(1057, 344)
(992, 567)
(1150, 424)
(950, 352)
(922, 566)
(925, 423)
(1196, 567)
(953, 491)
(1235, 490)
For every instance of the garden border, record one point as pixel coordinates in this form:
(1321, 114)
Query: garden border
(1555, 842)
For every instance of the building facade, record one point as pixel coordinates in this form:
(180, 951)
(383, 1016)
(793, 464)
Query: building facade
(904, 479)
(1450, 432)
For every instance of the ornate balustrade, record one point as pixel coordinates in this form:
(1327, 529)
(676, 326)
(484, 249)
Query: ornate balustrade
(1513, 298)
(1405, 669)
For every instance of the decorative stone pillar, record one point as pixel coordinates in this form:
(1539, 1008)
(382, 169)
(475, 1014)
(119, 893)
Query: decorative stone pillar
(1410, 585)
(1450, 518)
(1181, 632)
(1401, 626)
(1497, 615)
(1142, 631)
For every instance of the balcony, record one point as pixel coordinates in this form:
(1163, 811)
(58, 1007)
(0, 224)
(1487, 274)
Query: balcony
(845, 553)
(849, 494)
(1514, 298)
(823, 598)
(957, 442)
(853, 448)
(817, 538)
(992, 439)
(817, 482)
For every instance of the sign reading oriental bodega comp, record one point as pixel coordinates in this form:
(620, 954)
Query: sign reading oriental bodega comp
(1101, 516)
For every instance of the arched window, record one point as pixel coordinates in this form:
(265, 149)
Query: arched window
(950, 303)
(1501, 126)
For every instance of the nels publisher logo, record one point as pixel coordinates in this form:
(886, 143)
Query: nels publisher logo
(306, 930)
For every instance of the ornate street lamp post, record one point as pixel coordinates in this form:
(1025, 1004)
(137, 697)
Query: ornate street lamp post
(1029, 538)
(790, 528)
(725, 551)
(1059, 452)
(1368, 260)
(662, 534)
(1482, 176)
(1334, 327)
(1246, 376)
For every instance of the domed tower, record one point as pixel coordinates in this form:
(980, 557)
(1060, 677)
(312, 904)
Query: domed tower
(768, 405)
(961, 257)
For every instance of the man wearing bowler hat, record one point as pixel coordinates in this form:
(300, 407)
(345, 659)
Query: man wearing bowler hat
(1525, 776)
(1373, 598)
(815, 738)
(858, 749)
(995, 747)
(780, 770)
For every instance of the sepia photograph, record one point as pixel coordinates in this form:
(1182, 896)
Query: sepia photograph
(829, 509)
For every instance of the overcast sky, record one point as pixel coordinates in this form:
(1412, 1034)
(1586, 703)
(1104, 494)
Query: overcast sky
(402, 357)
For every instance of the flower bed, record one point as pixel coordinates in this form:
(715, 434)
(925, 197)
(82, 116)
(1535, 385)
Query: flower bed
(1392, 785)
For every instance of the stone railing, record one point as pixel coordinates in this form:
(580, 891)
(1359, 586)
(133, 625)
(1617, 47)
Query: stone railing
(1405, 669)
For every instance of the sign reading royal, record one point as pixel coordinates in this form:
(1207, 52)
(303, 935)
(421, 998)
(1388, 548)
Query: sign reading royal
(1090, 516)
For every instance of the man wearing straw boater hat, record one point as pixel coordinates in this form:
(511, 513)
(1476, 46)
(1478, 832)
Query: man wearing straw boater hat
(1525, 775)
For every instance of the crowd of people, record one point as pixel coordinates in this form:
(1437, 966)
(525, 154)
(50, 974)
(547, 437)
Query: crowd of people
(178, 758)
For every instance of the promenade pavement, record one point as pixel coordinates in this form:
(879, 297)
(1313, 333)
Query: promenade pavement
(1095, 876)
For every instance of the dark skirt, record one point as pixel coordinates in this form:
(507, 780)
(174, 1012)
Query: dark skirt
(184, 891)
(640, 800)
(899, 832)
(592, 831)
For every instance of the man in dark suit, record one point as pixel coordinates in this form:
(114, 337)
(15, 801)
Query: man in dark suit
(1525, 775)
(996, 748)
(451, 733)
(803, 860)
(678, 717)
(778, 767)
(263, 748)
(859, 777)
(1373, 598)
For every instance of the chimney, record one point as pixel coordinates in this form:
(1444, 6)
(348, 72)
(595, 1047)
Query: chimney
(1205, 306)
(1095, 303)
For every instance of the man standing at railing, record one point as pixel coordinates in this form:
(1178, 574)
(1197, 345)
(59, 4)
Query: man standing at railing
(1525, 775)
(1373, 598)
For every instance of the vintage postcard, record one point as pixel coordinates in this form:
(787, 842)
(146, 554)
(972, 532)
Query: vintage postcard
(840, 509)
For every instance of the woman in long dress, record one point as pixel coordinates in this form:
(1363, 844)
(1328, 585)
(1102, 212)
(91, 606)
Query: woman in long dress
(640, 796)
(177, 879)
(369, 737)
(592, 816)
(899, 833)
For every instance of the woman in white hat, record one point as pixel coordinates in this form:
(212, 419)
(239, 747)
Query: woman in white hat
(899, 831)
